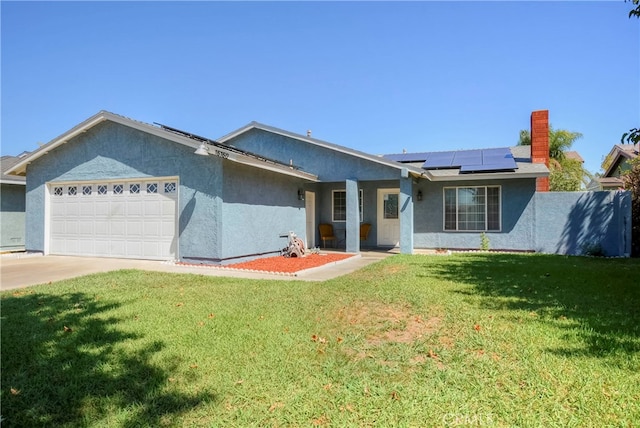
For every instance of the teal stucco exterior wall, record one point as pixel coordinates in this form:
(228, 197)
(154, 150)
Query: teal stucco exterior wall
(546, 222)
(12, 217)
(224, 209)
(583, 222)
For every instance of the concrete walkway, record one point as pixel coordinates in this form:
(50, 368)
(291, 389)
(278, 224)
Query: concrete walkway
(22, 270)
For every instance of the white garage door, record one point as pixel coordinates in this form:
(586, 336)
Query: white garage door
(131, 219)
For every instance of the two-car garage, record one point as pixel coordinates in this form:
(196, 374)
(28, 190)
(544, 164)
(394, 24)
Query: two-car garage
(135, 218)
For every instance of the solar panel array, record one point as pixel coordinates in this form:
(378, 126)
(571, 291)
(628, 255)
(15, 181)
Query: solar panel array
(478, 160)
(407, 157)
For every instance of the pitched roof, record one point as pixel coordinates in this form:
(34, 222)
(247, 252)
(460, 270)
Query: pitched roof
(524, 168)
(320, 143)
(247, 158)
(618, 152)
(6, 163)
(572, 154)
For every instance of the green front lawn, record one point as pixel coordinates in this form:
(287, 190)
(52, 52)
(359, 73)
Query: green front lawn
(466, 340)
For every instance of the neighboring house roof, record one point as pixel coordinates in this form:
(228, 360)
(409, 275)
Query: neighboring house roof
(321, 143)
(610, 180)
(521, 155)
(574, 155)
(247, 158)
(8, 162)
(620, 152)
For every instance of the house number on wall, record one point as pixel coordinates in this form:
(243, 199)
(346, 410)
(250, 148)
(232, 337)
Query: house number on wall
(222, 154)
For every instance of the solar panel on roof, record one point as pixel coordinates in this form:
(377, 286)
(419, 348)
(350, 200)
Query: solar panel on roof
(439, 160)
(407, 157)
(467, 157)
(477, 160)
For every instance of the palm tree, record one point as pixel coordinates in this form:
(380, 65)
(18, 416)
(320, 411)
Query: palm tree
(565, 174)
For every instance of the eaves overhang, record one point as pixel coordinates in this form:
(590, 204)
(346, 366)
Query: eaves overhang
(524, 171)
(246, 158)
(320, 143)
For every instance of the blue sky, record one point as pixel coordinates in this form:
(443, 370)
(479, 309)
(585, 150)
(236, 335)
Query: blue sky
(374, 76)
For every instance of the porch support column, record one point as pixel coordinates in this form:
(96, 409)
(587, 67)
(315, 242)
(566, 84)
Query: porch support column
(352, 228)
(406, 213)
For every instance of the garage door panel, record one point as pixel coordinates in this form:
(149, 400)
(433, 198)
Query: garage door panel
(123, 219)
(102, 228)
(102, 247)
(118, 229)
(168, 229)
(86, 208)
(152, 208)
(133, 248)
(70, 209)
(58, 210)
(85, 246)
(85, 228)
(71, 246)
(102, 209)
(134, 208)
(117, 209)
(71, 227)
(168, 207)
(58, 227)
(117, 248)
(134, 229)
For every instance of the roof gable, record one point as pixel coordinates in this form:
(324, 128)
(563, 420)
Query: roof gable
(619, 153)
(171, 134)
(320, 143)
(6, 163)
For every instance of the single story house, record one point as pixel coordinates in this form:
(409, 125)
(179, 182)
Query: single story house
(12, 206)
(117, 187)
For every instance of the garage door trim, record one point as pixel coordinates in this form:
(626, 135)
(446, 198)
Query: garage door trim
(166, 200)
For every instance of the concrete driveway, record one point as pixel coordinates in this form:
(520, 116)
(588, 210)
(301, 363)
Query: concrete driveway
(23, 270)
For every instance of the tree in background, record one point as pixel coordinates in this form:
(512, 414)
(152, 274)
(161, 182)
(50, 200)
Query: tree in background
(632, 183)
(632, 178)
(566, 174)
(636, 10)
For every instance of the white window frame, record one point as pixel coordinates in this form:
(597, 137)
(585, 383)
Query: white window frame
(486, 213)
(333, 208)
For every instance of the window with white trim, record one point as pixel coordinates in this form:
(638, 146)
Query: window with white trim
(339, 205)
(472, 208)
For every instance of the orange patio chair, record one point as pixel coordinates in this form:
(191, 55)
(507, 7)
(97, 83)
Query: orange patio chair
(365, 228)
(326, 234)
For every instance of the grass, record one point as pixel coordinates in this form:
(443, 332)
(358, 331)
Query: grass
(467, 340)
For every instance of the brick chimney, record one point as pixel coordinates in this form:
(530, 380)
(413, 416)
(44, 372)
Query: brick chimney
(540, 145)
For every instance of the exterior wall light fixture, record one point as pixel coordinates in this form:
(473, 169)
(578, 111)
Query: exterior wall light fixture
(300, 195)
(202, 150)
(419, 195)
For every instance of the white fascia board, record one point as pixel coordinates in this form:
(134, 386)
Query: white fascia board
(10, 181)
(486, 176)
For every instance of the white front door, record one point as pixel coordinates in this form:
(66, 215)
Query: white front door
(310, 208)
(388, 217)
